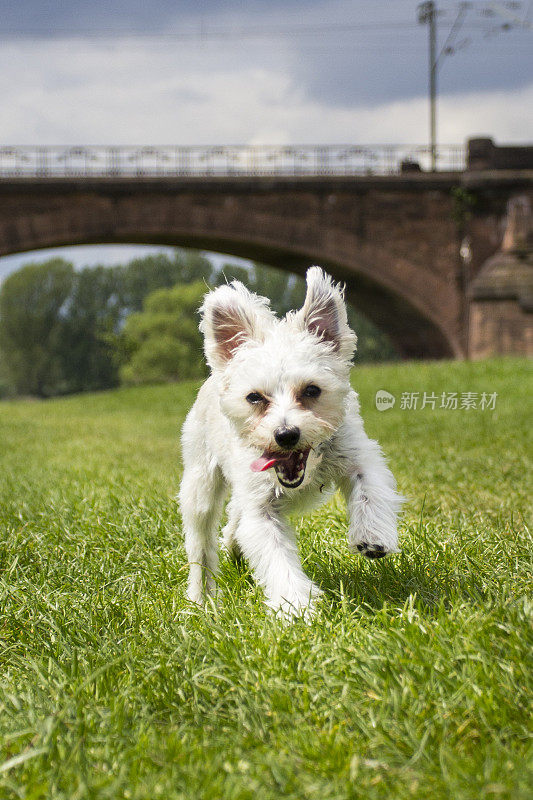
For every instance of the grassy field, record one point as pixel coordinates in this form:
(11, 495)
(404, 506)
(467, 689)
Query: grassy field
(414, 680)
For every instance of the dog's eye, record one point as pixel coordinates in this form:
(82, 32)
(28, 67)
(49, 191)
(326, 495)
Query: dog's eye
(312, 391)
(255, 397)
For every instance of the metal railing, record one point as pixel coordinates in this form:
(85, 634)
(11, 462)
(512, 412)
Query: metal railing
(226, 161)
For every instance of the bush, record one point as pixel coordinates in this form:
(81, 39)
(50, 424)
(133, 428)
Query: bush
(163, 343)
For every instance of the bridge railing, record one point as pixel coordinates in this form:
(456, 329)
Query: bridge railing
(245, 160)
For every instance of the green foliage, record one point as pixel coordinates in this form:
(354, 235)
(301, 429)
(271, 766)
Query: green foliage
(59, 329)
(102, 299)
(94, 310)
(413, 682)
(141, 276)
(163, 342)
(32, 317)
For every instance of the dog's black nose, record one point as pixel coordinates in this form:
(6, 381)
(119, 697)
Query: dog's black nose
(287, 437)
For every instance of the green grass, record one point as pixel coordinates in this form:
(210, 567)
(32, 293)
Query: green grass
(414, 680)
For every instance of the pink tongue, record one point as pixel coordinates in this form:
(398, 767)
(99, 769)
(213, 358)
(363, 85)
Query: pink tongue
(262, 463)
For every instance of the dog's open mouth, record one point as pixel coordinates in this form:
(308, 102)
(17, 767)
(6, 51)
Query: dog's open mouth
(289, 466)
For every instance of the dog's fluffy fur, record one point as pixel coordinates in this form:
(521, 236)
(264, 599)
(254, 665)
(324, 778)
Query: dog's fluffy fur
(239, 436)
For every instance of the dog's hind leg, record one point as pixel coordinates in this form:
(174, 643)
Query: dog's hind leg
(202, 494)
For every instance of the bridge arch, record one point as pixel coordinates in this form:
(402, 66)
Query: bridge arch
(398, 268)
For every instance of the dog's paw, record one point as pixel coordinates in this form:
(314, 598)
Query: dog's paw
(373, 543)
(195, 595)
(372, 550)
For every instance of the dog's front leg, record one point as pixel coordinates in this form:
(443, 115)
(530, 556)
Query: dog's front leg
(269, 545)
(371, 498)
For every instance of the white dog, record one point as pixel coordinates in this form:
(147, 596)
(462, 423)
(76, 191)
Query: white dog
(278, 424)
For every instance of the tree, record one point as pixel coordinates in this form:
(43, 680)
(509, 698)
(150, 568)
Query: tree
(101, 301)
(92, 315)
(162, 343)
(32, 324)
(60, 329)
(141, 276)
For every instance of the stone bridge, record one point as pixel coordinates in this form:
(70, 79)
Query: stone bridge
(409, 246)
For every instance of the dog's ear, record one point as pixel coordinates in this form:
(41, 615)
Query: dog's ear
(324, 313)
(231, 315)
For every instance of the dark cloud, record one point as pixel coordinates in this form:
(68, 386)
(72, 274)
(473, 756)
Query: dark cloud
(341, 53)
(50, 17)
(383, 67)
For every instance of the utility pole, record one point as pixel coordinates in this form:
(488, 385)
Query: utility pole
(427, 14)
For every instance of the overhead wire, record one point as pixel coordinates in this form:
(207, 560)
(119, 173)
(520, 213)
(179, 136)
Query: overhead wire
(203, 32)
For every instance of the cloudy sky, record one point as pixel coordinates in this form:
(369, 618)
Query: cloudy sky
(258, 71)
